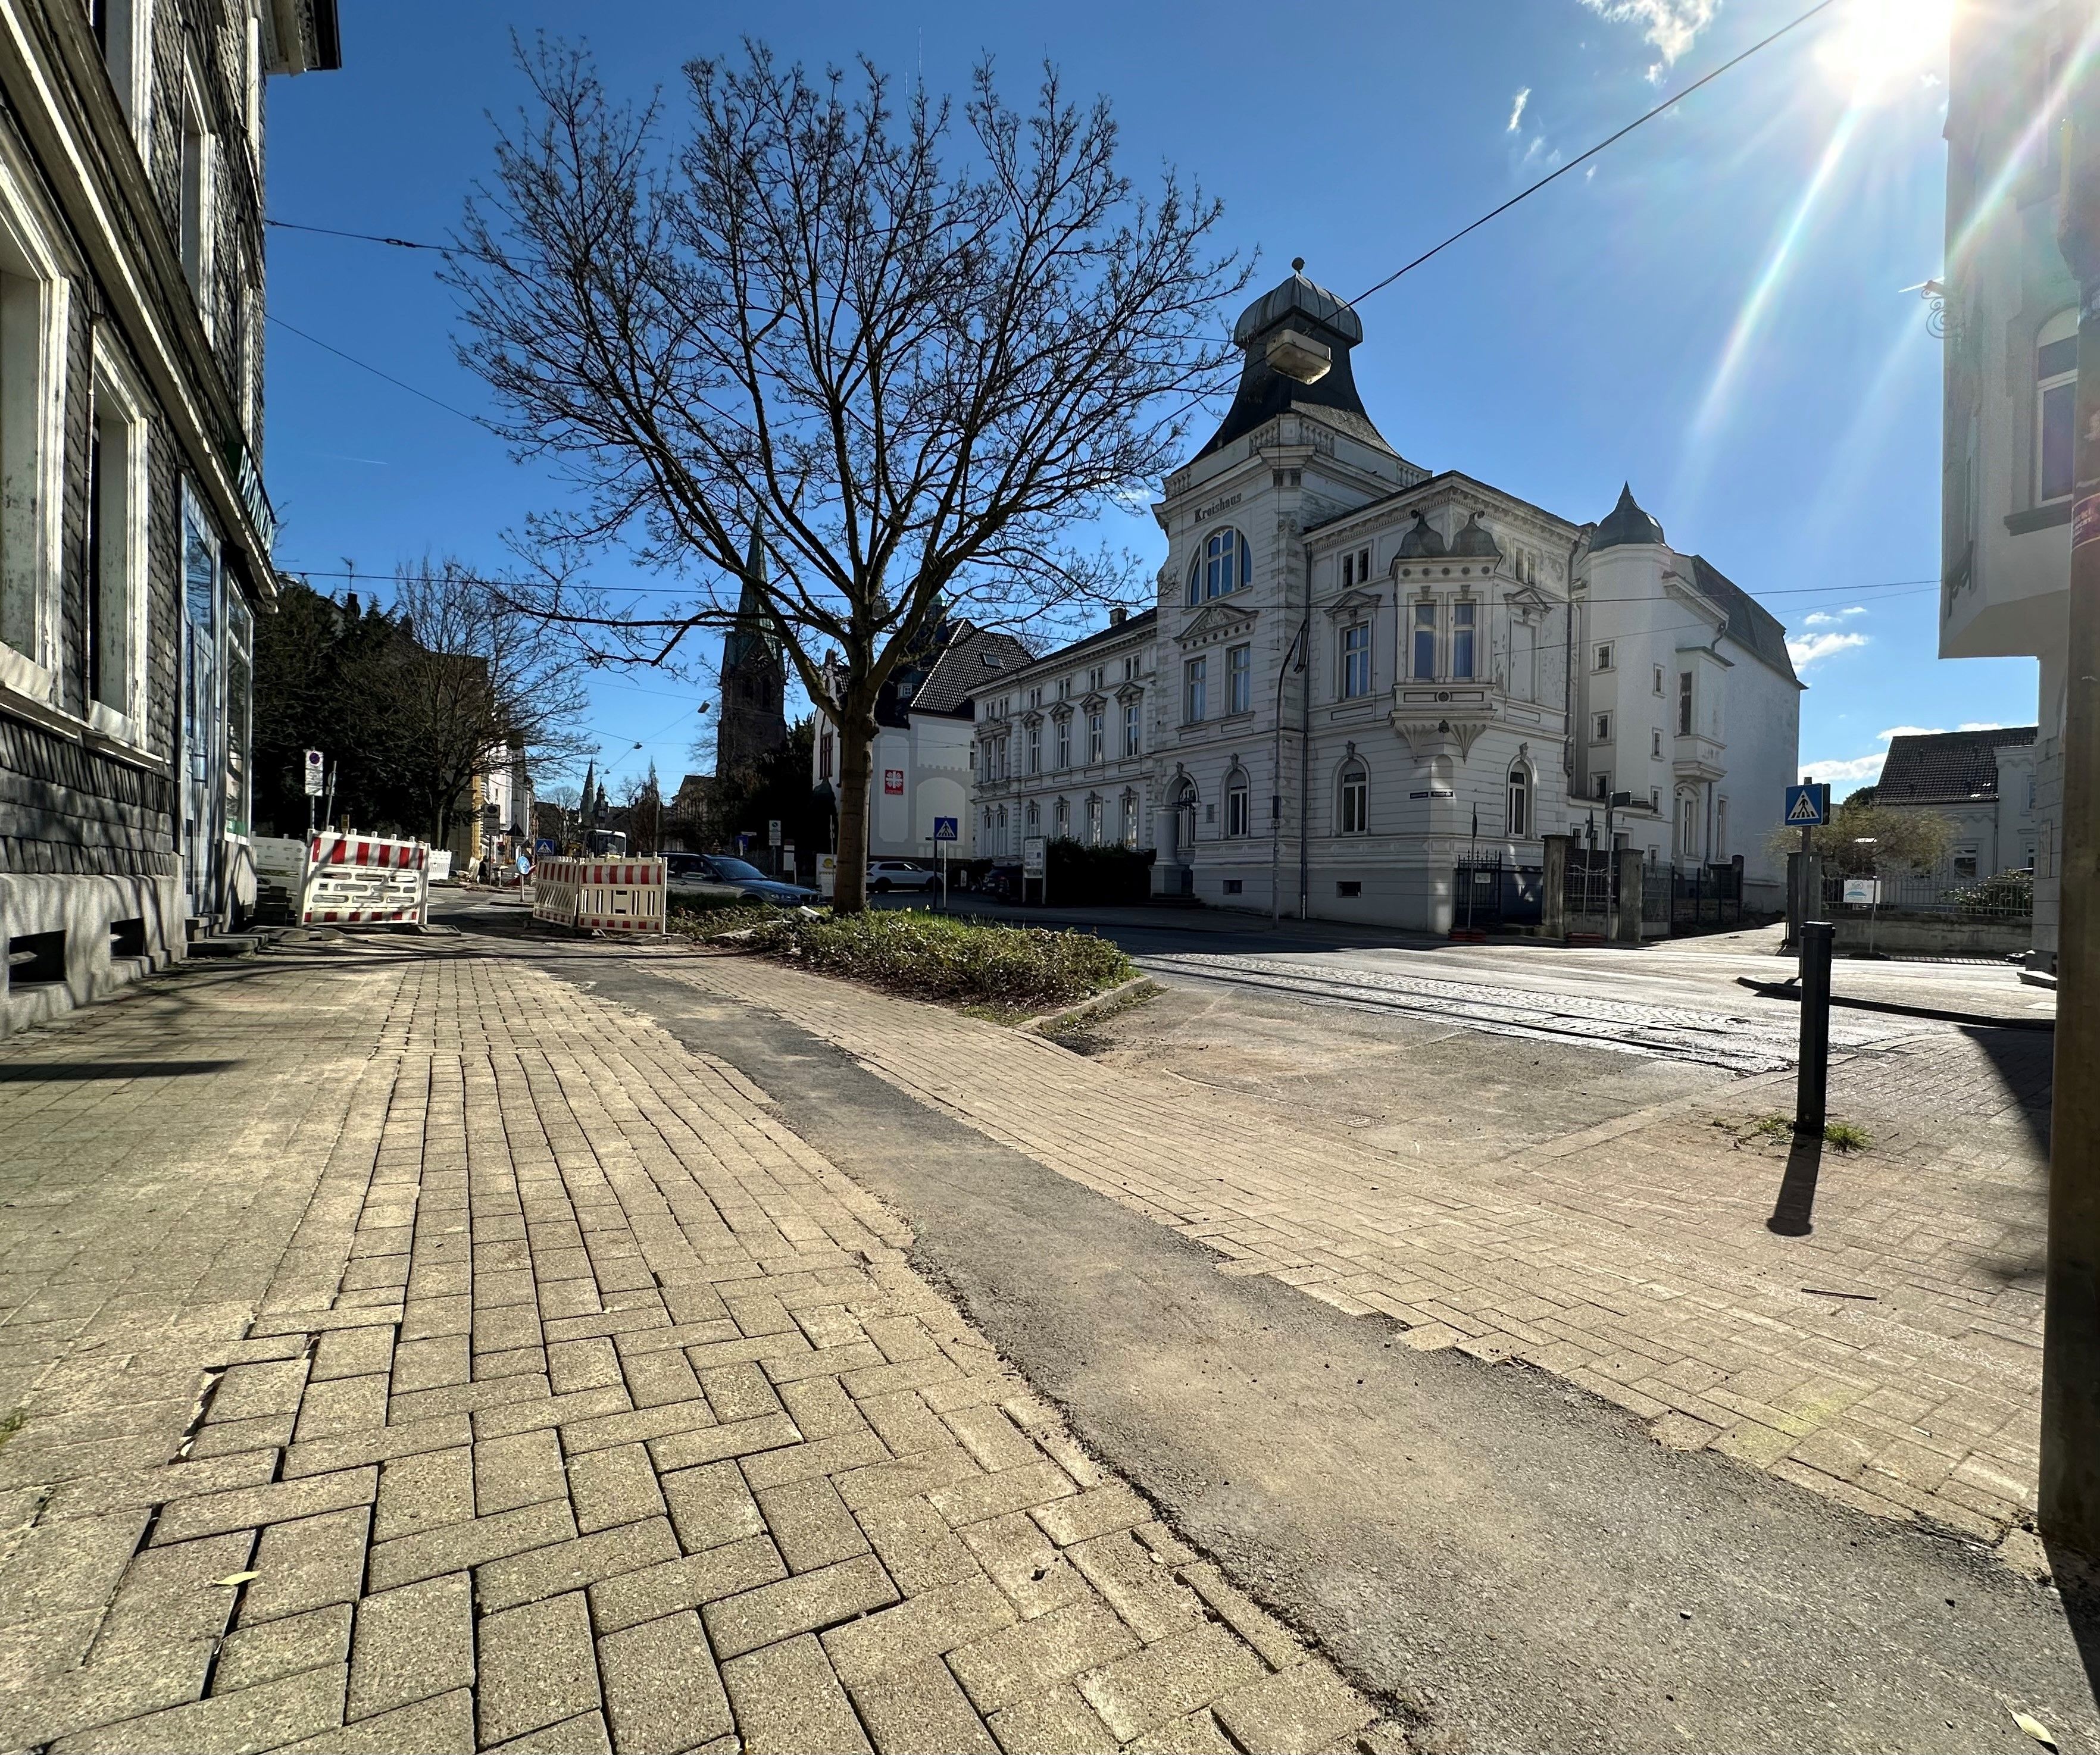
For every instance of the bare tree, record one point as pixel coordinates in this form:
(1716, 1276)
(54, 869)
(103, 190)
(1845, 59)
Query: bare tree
(796, 353)
(470, 676)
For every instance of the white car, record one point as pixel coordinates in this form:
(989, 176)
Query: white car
(885, 876)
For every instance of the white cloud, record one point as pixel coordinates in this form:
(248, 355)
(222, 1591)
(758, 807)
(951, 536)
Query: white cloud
(1672, 26)
(1980, 725)
(1817, 646)
(1590, 175)
(1911, 731)
(1858, 769)
(1831, 618)
(1516, 110)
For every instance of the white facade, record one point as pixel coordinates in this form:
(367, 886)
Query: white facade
(2011, 363)
(1357, 673)
(923, 752)
(1062, 749)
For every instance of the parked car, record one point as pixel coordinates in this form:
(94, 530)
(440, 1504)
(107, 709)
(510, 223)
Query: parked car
(885, 876)
(1002, 883)
(717, 878)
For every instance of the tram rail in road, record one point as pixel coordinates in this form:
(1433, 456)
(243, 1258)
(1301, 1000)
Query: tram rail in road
(1742, 1042)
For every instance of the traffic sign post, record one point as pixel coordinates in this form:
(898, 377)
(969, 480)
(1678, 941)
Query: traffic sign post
(316, 778)
(1808, 809)
(1036, 863)
(947, 832)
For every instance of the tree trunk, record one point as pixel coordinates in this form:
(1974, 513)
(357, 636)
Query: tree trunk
(856, 767)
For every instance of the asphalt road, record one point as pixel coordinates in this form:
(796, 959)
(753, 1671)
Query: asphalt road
(1517, 1563)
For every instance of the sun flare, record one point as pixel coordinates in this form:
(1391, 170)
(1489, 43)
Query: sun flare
(1876, 46)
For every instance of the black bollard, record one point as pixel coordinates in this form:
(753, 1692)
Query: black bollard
(1814, 1072)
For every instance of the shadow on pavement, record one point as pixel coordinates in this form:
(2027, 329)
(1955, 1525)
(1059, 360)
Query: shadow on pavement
(2024, 1062)
(2077, 1580)
(70, 1072)
(1793, 1214)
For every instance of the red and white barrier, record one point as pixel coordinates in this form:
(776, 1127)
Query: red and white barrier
(353, 879)
(600, 895)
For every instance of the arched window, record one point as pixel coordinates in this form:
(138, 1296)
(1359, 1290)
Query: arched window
(1237, 818)
(1353, 816)
(1520, 801)
(1225, 564)
(1034, 817)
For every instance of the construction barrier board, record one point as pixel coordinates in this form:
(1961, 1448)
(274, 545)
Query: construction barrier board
(600, 895)
(360, 879)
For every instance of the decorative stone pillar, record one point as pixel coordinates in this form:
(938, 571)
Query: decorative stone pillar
(1553, 899)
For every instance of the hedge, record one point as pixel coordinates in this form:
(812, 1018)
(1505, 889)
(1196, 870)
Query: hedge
(934, 956)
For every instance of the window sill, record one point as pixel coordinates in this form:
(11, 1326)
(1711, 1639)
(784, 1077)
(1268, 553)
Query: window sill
(2039, 517)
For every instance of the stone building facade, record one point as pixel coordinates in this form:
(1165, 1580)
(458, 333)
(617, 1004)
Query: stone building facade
(2010, 313)
(134, 532)
(1358, 671)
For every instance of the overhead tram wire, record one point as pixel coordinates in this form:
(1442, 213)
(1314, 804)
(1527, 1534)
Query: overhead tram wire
(1525, 194)
(329, 347)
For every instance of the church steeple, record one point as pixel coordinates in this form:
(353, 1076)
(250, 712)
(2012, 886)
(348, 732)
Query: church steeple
(753, 720)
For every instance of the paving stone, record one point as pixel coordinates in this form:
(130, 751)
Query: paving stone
(247, 1389)
(424, 1492)
(517, 1417)
(802, 1604)
(584, 1734)
(916, 1546)
(994, 1440)
(1092, 1514)
(524, 1469)
(459, 1547)
(655, 1379)
(906, 1424)
(131, 1681)
(1057, 1722)
(810, 1524)
(1025, 1660)
(896, 1639)
(411, 1642)
(787, 1701)
(347, 1404)
(443, 1726)
(685, 1450)
(306, 1564)
(226, 1438)
(466, 1398)
(1166, 1680)
(971, 1502)
(352, 1353)
(432, 1364)
(1196, 1733)
(167, 1594)
(1278, 1645)
(537, 1668)
(826, 1456)
(1139, 1586)
(269, 1650)
(250, 1507)
(711, 1505)
(821, 1409)
(70, 1565)
(261, 1717)
(920, 1708)
(1301, 1709)
(661, 1689)
(612, 1487)
(583, 1365)
(571, 1566)
(739, 1393)
(352, 1450)
(651, 1592)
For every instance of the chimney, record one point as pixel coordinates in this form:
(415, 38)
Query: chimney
(1117, 615)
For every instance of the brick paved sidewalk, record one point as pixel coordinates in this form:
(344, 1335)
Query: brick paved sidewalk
(412, 1352)
(1631, 1258)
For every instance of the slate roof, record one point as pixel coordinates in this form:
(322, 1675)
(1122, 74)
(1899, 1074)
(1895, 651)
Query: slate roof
(1750, 624)
(972, 659)
(1625, 523)
(1264, 393)
(1947, 767)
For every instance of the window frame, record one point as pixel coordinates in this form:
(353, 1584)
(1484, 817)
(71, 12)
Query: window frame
(35, 299)
(1133, 729)
(1353, 801)
(1195, 688)
(1517, 794)
(1600, 728)
(1686, 705)
(1238, 810)
(1097, 735)
(1222, 554)
(1423, 641)
(115, 567)
(1464, 641)
(197, 190)
(2061, 386)
(1601, 655)
(1354, 649)
(1239, 679)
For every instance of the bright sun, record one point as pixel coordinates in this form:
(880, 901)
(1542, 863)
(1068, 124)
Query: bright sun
(1875, 47)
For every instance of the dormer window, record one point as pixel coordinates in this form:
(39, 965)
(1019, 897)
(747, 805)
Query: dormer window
(1356, 568)
(1224, 565)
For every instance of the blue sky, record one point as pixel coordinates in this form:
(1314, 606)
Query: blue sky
(1715, 310)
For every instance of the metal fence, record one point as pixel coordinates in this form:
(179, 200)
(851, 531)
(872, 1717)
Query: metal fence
(2010, 895)
(1705, 897)
(1487, 894)
(1589, 891)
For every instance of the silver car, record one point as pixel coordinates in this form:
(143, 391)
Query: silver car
(885, 876)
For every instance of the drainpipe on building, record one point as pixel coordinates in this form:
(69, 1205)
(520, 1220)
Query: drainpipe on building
(1305, 750)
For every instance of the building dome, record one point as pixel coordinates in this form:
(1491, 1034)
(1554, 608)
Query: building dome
(1475, 540)
(1627, 524)
(1421, 542)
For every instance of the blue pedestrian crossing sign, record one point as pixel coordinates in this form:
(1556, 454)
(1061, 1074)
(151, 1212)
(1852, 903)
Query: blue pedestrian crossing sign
(945, 829)
(1807, 807)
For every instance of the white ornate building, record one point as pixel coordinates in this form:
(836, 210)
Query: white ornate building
(1358, 671)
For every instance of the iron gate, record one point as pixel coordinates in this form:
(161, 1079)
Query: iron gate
(1589, 891)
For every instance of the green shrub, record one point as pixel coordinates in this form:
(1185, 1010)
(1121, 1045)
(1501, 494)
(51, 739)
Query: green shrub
(2010, 892)
(934, 956)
